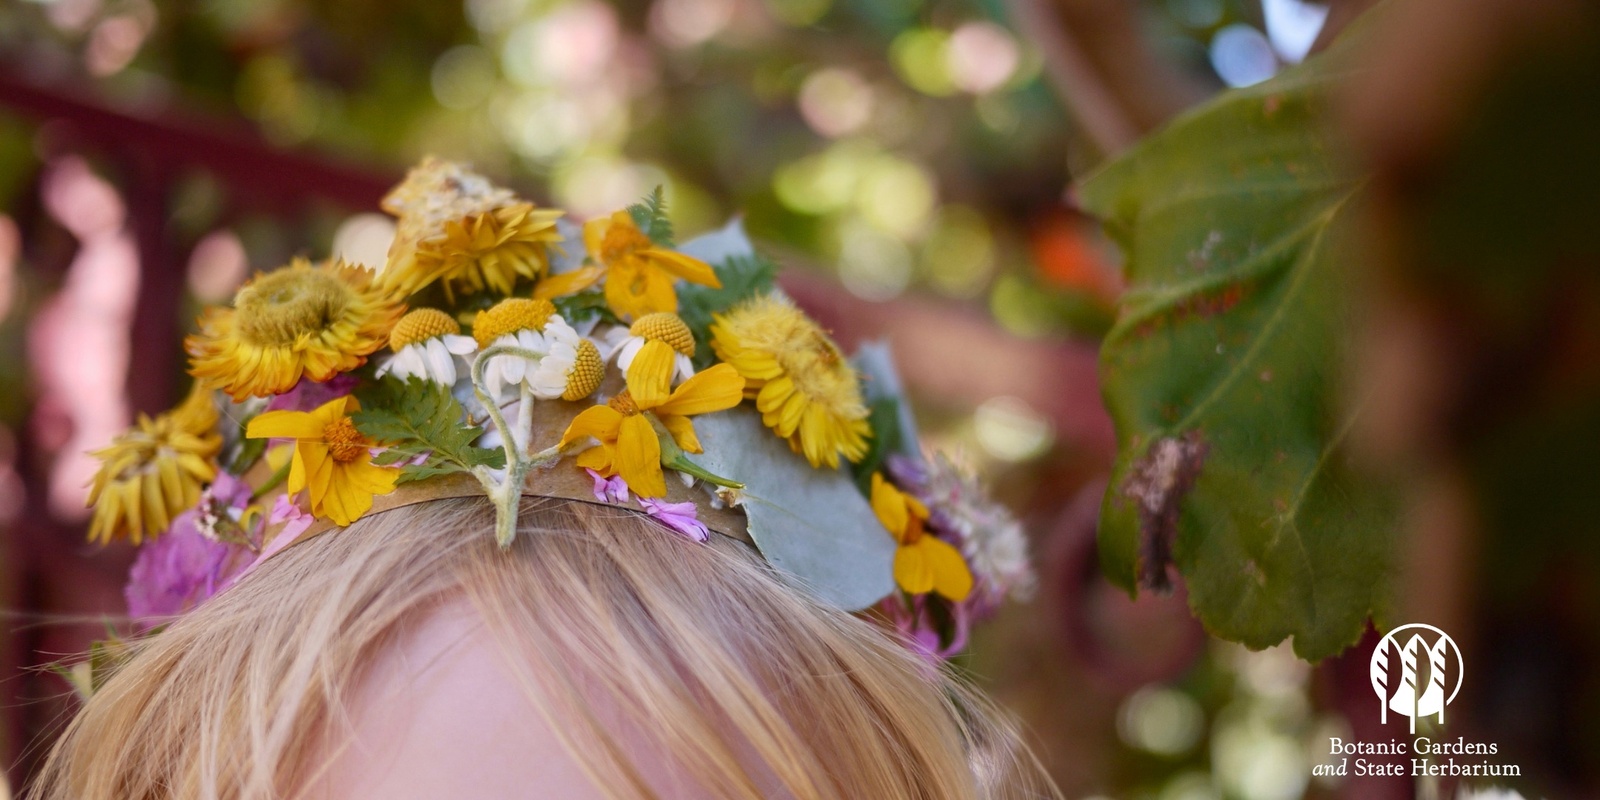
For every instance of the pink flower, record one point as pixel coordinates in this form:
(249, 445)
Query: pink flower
(612, 490)
(680, 517)
(294, 522)
(308, 394)
(915, 622)
(186, 567)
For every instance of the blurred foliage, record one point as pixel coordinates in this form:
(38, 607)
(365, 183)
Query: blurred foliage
(1222, 372)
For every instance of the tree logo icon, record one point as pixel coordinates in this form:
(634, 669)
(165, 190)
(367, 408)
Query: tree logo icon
(1410, 668)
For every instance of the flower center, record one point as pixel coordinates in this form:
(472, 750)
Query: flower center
(914, 528)
(280, 307)
(622, 402)
(665, 327)
(509, 316)
(623, 239)
(586, 373)
(345, 443)
(421, 325)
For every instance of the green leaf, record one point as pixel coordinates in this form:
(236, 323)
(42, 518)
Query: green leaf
(417, 418)
(884, 418)
(1222, 371)
(811, 524)
(742, 277)
(581, 307)
(651, 217)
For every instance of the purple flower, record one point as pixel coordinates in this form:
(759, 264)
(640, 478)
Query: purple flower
(309, 394)
(915, 622)
(680, 517)
(612, 490)
(188, 565)
(290, 521)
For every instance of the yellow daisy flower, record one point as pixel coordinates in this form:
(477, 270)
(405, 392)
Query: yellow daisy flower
(456, 226)
(923, 562)
(298, 321)
(804, 388)
(639, 274)
(629, 444)
(331, 458)
(154, 471)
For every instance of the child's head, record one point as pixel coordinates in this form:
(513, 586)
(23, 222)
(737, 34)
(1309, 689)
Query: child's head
(600, 656)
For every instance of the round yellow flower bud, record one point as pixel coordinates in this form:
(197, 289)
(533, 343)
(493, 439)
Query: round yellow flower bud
(665, 327)
(509, 316)
(420, 326)
(586, 372)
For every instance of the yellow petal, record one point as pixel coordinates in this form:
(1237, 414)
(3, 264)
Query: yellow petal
(659, 294)
(285, 425)
(598, 459)
(686, 267)
(601, 422)
(650, 374)
(619, 292)
(890, 506)
(911, 570)
(639, 457)
(567, 283)
(594, 232)
(682, 430)
(714, 389)
(951, 577)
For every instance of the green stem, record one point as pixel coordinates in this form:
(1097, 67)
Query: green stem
(506, 493)
(274, 481)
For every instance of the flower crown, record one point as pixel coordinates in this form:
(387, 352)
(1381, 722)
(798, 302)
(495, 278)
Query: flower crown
(678, 382)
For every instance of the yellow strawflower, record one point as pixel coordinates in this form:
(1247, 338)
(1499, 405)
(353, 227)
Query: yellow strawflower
(639, 275)
(455, 226)
(803, 386)
(923, 562)
(298, 321)
(154, 471)
(628, 441)
(331, 458)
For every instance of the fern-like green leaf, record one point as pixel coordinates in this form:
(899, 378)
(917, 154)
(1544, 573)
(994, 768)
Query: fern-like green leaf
(651, 217)
(417, 419)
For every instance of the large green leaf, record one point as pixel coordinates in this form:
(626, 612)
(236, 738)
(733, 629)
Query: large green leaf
(1222, 371)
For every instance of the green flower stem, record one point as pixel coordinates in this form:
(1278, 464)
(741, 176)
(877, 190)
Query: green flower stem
(506, 494)
(274, 481)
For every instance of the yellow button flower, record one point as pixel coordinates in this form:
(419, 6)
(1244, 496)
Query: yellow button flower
(923, 563)
(639, 274)
(629, 444)
(331, 458)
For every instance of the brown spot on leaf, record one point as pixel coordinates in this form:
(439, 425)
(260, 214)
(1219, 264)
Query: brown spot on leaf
(1203, 305)
(1157, 485)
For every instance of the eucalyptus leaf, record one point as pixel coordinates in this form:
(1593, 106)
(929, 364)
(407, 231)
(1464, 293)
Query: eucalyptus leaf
(1222, 371)
(812, 524)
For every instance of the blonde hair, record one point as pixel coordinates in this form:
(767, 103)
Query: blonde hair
(701, 645)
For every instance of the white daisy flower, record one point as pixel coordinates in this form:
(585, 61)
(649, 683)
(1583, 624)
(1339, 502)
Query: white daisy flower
(559, 363)
(426, 344)
(667, 329)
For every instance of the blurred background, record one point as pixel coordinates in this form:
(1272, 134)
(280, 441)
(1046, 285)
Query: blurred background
(909, 162)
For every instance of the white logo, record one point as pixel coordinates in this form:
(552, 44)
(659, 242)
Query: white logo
(1418, 689)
